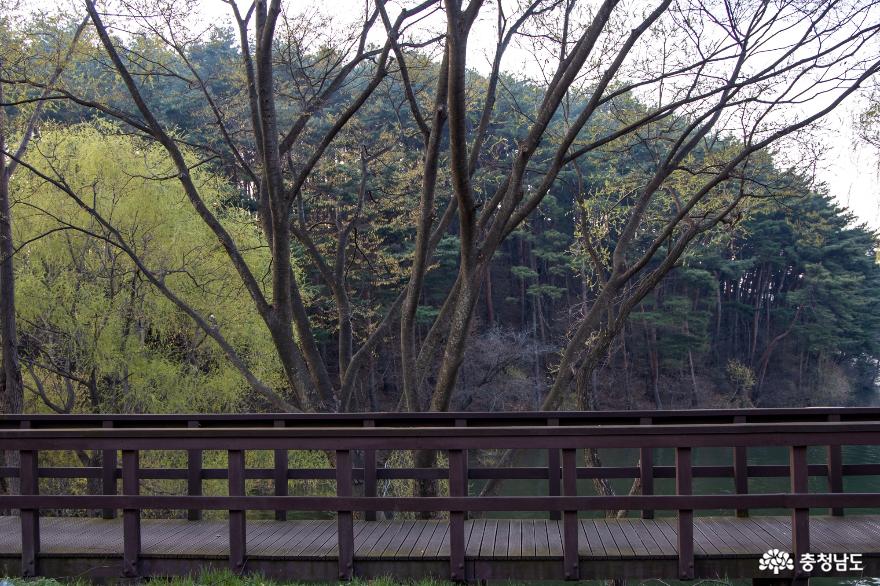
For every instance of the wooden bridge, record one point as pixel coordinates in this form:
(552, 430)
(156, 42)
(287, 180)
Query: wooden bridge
(254, 525)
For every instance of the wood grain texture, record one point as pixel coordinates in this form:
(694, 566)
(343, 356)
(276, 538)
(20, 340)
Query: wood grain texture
(626, 538)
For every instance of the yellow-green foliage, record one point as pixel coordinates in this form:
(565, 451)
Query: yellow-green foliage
(86, 310)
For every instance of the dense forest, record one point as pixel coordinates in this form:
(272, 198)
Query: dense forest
(643, 253)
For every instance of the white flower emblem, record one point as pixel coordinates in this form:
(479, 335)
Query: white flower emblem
(776, 560)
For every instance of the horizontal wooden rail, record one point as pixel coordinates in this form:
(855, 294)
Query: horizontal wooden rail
(439, 473)
(434, 419)
(440, 438)
(440, 504)
(354, 453)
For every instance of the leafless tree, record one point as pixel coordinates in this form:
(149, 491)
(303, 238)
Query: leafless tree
(751, 73)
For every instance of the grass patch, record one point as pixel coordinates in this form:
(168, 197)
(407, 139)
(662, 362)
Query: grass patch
(221, 578)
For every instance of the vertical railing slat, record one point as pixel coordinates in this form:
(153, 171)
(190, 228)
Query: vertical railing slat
(554, 479)
(370, 474)
(741, 470)
(193, 476)
(281, 468)
(569, 517)
(684, 486)
(237, 521)
(131, 518)
(465, 478)
(29, 483)
(344, 521)
(835, 469)
(109, 463)
(457, 484)
(646, 470)
(800, 518)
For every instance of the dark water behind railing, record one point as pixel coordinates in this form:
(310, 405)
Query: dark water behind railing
(707, 457)
(715, 457)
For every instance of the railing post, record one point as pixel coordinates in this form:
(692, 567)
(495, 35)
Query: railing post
(741, 470)
(281, 467)
(344, 522)
(29, 483)
(237, 522)
(835, 469)
(554, 486)
(369, 474)
(569, 517)
(193, 476)
(800, 517)
(109, 463)
(646, 470)
(684, 486)
(131, 518)
(465, 479)
(457, 484)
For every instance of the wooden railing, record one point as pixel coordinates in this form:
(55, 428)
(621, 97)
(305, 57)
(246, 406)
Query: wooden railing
(561, 434)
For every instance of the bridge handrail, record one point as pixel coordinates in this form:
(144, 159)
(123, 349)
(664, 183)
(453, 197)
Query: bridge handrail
(451, 419)
(562, 472)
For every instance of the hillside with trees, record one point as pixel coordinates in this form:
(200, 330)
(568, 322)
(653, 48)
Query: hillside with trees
(267, 216)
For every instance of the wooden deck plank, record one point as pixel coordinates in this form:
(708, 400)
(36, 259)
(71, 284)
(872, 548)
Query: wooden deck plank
(213, 541)
(609, 544)
(361, 536)
(488, 545)
(747, 538)
(836, 538)
(357, 528)
(82, 535)
(381, 544)
(667, 548)
(782, 531)
(769, 538)
(291, 538)
(261, 534)
(717, 536)
(421, 545)
(623, 545)
(554, 536)
(867, 525)
(702, 537)
(406, 548)
(441, 534)
(637, 541)
(191, 540)
(636, 528)
(155, 542)
(669, 525)
(374, 534)
(405, 545)
(320, 533)
(403, 535)
(588, 540)
(492, 539)
(529, 546)
(592, 537)
(542, 539)
(822, 538)
(514, 539)
(502, 534)
(475, 538)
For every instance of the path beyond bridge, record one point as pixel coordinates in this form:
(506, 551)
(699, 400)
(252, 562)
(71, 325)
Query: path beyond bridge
(684, 535)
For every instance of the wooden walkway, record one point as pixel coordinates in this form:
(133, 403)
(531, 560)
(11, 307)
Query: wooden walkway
(723, 546)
